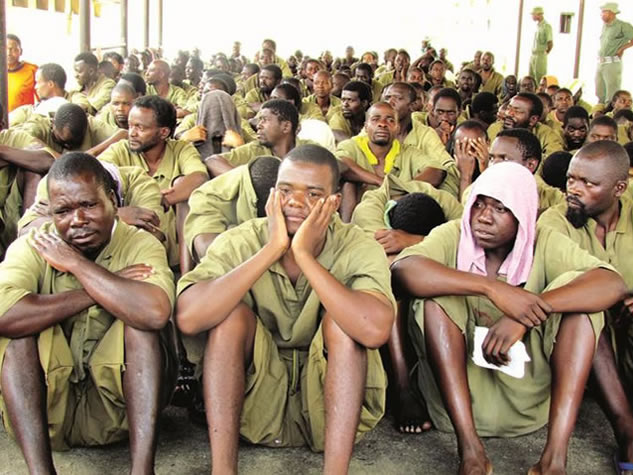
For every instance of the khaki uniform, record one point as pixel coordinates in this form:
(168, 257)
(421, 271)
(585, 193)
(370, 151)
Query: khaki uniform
(176, 95)
(494, 84)
(503, 406)
(20, 115)
(180, 158)
(137, 189)
(609, 70)
(618, 252)
(41, 128)
(10, 195)
(246, 153)
(220, 204)
(310, 110)
(338, 122)
(550, 141)
(335, 105)
(253, 96)
(538, 60)
(370, 212)
(95, 97)
(106, 116)
(406, 165)
(83, 357)
(284, 401)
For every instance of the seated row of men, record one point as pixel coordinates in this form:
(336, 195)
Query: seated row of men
(288, 281)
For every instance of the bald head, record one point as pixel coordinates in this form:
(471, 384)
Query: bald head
(612, 158)
(158, 72)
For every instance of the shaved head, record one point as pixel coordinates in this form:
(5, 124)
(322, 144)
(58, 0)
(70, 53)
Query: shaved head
(614, 159)
(162, 66)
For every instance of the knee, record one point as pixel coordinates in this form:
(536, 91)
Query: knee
(22, 349)
(433, 311)
(237, 326)
(334, 338)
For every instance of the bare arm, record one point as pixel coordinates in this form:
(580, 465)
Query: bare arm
(38, 161)
(35, 313)
(217, 165)
(372, 317)
(99, 148)
(139, 304)
(355, 173)
(183, 187)
(433, 176)
(550, 45)
(197, 312)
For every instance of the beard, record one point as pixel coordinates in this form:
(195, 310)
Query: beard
(577, 216)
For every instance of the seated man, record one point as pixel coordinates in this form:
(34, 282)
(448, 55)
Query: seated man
(174, 164)
(498, 271)
(563, 100)
(23, 159)
(50, 83)
(602, 128)
(288, 92)
(269, 77)
(328, 104)
(73, 130)
(365, 73)
(94, 88)
(598, 216)
(524, 112)
(158, 84)
(85, 352)
(139, 202)
(302, 271)
(277, 123)
(117, 111)
(447, 107)
(369, 157)
(522, 147)
(575, 128)
(348, 121)
(227, 201)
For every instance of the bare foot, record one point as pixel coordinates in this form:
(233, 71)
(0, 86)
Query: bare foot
(541, 469)
(624, 435)
(412, 416)
(475, 462)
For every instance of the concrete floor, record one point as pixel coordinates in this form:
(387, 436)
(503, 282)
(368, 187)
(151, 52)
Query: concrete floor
(183, 449)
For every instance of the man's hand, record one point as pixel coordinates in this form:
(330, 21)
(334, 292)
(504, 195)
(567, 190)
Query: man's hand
(479, 149)
(41, 209)
(232, 139)
(198, 133)
(444, 130)
(277, 231)
(136, 272)
(311, 233)
(522, 306)
(54, 250)
(142, 218)
(465, 160)
(395, 240)
(165, 200)
(501, 336)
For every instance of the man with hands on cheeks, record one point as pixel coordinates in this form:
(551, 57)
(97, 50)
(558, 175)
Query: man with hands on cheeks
(497, 270)
(287, 345)
(85, 299)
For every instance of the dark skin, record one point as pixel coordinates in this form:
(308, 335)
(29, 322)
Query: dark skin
(84, 214)
(590, 181)
(494, 229)
(299, 210)
(149, 139)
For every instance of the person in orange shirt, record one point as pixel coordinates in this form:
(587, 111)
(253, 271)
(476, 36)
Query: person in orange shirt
(21, 75)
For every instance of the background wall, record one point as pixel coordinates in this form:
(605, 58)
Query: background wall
(462, 26)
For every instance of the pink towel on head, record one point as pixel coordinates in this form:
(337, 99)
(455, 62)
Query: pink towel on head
(513, 185)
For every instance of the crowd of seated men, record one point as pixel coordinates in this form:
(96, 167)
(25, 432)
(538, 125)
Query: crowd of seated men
(245, 237)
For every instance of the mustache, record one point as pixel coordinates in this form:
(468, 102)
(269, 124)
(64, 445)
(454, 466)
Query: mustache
(576, 201)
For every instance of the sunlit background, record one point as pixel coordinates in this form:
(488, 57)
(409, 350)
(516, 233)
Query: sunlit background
(461, 26)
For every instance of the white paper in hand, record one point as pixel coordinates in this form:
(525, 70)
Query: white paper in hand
(518, 356)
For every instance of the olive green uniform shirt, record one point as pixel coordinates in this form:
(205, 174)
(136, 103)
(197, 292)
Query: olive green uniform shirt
(335, 105)
(179, 158)
(369, 214)
(614, 36)
(222, 203)
(494, 84)
(503, 406)
(95, 97)
(176, 95)
(82, 357)
(407, 164)
(246, 153)
(550, 141)
(40, 127)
